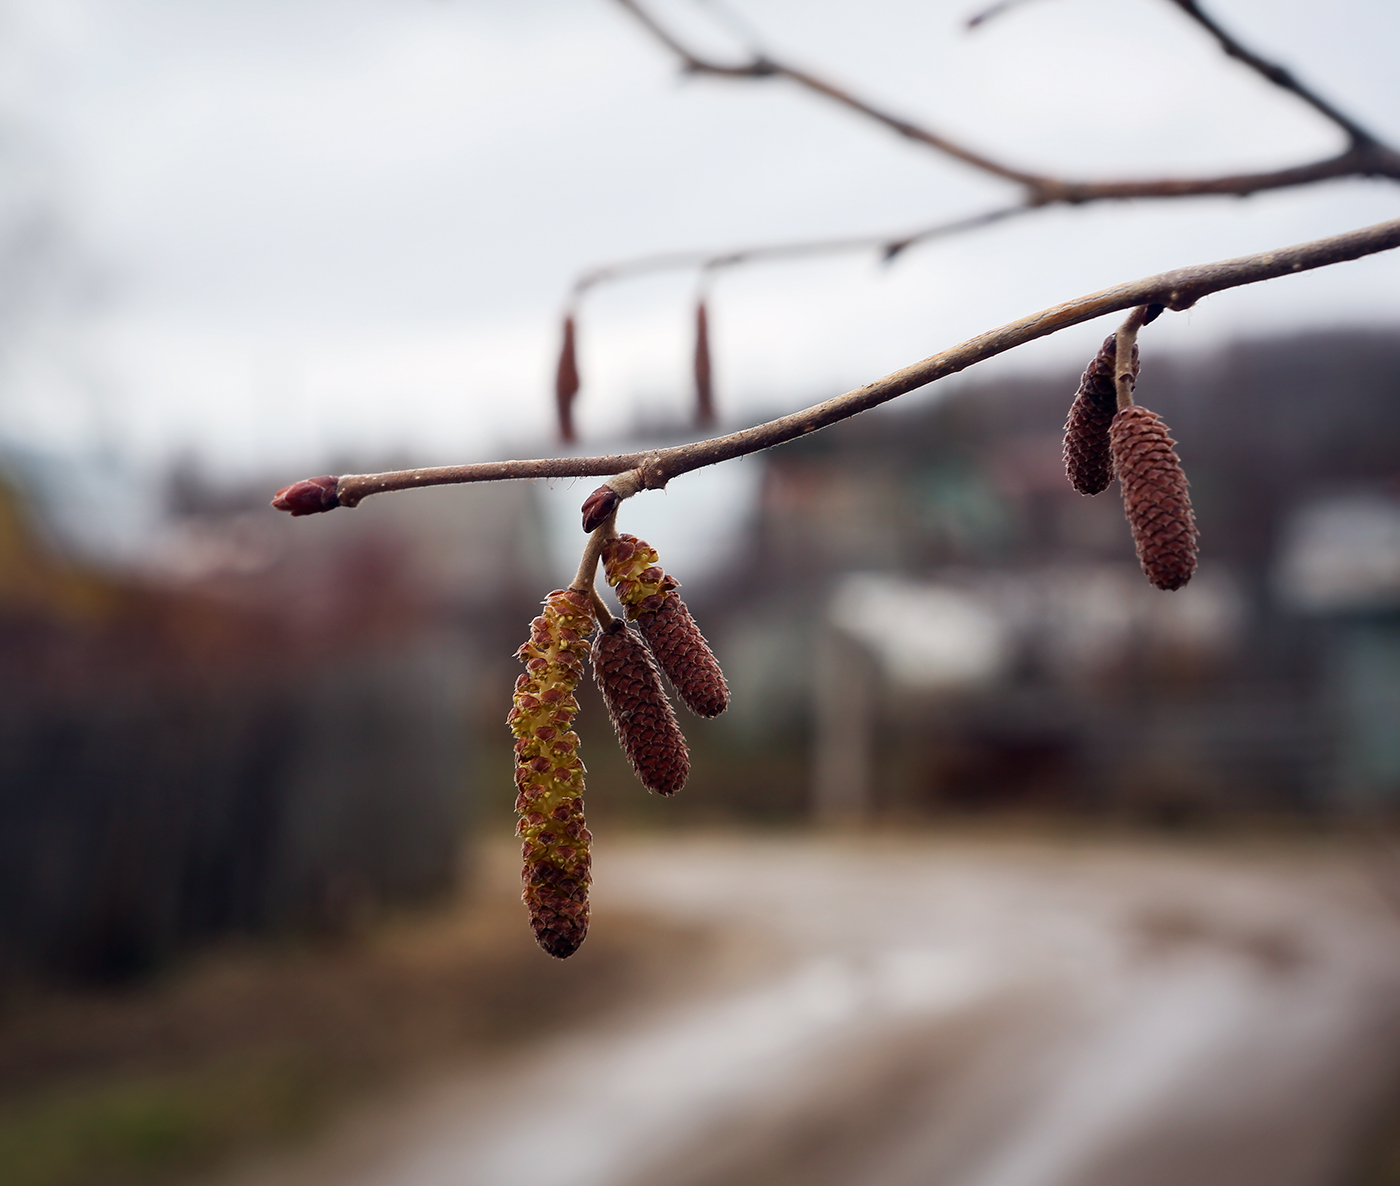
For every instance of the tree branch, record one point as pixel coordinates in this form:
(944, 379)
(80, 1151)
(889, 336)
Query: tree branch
(1373, 160)
(888, 246)
(1001, 8)
(1365, 156)
(762, 66)
(1177, 290)
(1278, 75)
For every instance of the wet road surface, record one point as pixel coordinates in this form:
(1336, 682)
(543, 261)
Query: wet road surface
(900, 1013)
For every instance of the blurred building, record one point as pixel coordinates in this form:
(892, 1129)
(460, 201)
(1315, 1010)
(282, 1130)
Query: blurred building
(960, 629)
(1340, 562)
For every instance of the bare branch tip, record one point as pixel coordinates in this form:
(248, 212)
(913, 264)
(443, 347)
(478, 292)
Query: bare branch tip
(311, 496)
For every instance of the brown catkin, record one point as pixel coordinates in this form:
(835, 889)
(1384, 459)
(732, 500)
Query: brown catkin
(549, 774)
(650, 599)
(704, 385)
(1154, 496)
(641, 715)
(1088, 457)
(566, 382)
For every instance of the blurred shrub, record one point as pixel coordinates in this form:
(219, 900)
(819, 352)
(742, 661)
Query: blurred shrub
(174, 766)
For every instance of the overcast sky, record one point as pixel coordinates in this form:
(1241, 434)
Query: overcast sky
(291, 231)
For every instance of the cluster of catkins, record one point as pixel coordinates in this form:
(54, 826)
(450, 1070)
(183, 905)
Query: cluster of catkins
(627, 666)
(1104, 441)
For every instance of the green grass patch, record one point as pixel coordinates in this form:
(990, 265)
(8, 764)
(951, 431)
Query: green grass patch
(156, 1128)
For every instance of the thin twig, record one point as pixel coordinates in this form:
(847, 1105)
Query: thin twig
(1278, 75)
(624, 485)
(982, 16)
(943, 230)
(710, 261)
(1365, 156)
(1177, 290)
(1375, 160)
(600, 609)
(762, 66)
(586, 577)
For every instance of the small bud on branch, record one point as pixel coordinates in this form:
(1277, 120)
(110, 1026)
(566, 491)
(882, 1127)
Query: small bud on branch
(598, 506)
(308, 497)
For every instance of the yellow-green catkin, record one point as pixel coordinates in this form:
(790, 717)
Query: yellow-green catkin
(630, 565)
(549, 774)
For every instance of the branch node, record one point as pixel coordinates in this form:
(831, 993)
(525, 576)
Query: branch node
(1180, 299)
(651, 474)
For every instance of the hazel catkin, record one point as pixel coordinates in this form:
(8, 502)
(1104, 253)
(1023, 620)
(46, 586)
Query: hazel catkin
(1088, 456)
(549, 774)
(704, 384)
(1154, 496)
(650, 599)
(642, 717)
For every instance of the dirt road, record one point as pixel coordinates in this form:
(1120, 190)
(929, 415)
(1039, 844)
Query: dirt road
(960, 1013)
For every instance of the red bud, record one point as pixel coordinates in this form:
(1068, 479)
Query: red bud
(598, 506)
(309, 497)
